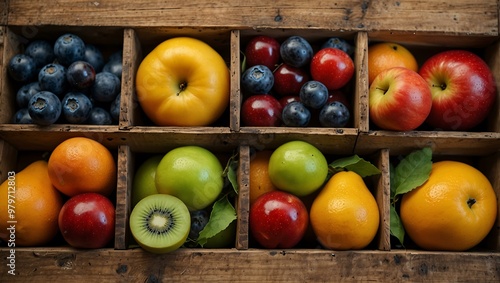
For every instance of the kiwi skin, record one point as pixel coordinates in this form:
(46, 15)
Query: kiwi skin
(160, 223)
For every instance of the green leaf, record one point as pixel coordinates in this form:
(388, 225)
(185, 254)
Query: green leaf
(397, 229)
(223, 213)
(230, 171)
(412, 171)
(356, 164)
(243, 62)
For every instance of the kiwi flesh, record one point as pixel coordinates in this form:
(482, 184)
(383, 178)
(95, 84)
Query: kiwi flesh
(160, 223)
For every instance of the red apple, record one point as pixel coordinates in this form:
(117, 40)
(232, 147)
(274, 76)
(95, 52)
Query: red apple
(87, 221)
(287, 99)
(278, 220)
(333, 67)
(463, 89)
(400, 100)
(263, 50)
(288, 80)
(261, 110)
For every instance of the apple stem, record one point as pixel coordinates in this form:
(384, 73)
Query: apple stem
(442, 86)
(470, 202)
(182, 87)
(384, 90)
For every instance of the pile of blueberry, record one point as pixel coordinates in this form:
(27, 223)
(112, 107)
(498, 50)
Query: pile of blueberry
(66, 82)
(292, 84)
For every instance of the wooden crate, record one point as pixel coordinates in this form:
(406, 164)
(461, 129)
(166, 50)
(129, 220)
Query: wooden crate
(226, 25)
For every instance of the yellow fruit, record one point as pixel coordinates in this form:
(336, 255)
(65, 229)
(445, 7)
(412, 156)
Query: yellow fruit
(260, 183)
(345, 214)
(453, 210)
(34, 207)
(386, 55)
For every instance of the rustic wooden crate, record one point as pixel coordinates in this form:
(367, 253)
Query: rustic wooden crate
(139, 25)
(460, 17)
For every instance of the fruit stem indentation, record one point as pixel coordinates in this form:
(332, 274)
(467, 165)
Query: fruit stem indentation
(182, 87)
(471, 202)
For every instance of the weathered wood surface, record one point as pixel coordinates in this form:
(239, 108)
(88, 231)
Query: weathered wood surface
(197, 265)
(441, 142)
(420, 16)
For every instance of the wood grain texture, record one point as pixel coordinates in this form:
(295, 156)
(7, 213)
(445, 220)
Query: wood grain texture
(243, 203)
(202, 265)
(123, 206)
(441, 142)
(382, 195)
(235, 69)
(4, 8)
(8, 159)
(428, 16)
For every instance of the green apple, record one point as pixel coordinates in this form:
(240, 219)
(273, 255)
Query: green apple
(298, 167)
(191, 173)
(144, 184)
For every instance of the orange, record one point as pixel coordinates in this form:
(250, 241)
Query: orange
(453, 210)
(385, 55)
(31, 218)
(260, 182)
(345, 215)
(82, 165)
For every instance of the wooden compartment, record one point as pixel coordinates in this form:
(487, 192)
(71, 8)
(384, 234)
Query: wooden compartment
(482, 140)
(129, 161)
(424, 26)
(377, 184)
(489, 166)
(15, 159)
(109, 40)
(139, 42)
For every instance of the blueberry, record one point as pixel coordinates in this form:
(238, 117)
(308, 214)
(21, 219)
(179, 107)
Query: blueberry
(106, 87)
(339, 43)
(116, 56)
(24, 94)
(257, 79)
(334, 114)
(94, 56)
(41, 51)
(76, 107)
(296, 114)
(52, 77)
(22, 68)
(44, 108)
(313, 94)
(80, 75)
(296, 51)
(199, 219)
(69, 48)
(114, 108)
(99, 116)
(114, 64)
(22, 116)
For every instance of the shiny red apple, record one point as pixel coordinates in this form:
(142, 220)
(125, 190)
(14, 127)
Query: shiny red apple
(278, 220)
(263, 50)
(399, 100)
(288, 80)
(261, 110)
(333, 67)
(87, 221)
(463, 89)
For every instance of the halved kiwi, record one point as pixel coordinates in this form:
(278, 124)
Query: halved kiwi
(160, 223)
